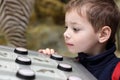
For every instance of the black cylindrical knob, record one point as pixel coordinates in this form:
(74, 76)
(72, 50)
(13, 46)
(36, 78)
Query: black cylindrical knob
(23, 60)
(64, 67)
(26, 74)
(21, 51)
(56, 57)
(73, 78)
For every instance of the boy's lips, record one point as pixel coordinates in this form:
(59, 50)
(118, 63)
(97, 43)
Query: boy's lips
(69, 44)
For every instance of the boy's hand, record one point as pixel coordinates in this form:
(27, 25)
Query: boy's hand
(47, 51)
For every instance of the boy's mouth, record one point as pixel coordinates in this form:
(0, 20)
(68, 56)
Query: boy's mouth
(69, 44)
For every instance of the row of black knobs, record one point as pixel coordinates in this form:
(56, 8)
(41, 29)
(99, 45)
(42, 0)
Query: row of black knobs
(28, 74)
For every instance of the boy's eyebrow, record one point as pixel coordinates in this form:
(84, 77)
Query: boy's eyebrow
(73, 23)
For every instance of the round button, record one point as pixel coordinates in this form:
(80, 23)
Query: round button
(26, 74)
(23, 60)
(64, 67)
(21, 50)
(56, 57)
(74, 78)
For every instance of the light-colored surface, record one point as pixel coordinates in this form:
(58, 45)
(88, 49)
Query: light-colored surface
(44, 67)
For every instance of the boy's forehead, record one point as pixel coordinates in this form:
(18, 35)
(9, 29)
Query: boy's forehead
(80, 10)
(73, 18)
(75, 12)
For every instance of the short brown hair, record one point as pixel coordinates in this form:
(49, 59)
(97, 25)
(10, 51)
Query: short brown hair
(99, 13)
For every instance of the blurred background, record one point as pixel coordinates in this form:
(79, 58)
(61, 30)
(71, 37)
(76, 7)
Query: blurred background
(43, 28)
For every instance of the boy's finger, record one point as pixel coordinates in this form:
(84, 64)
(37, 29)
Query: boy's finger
(40, 50)
(48, 51)
(52, 51)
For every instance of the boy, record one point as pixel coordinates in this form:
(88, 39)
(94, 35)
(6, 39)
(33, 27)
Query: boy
(90, 31)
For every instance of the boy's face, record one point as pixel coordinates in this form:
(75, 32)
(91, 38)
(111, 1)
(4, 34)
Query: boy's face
(79, 35)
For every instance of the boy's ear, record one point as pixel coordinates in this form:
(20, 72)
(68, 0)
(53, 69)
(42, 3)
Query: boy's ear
(104, 34)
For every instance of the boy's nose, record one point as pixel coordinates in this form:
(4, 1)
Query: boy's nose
(66, 35)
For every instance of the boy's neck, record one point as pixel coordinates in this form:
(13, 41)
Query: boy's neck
(100, 48)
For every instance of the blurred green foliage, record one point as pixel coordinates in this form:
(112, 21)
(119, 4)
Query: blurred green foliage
(50, 8)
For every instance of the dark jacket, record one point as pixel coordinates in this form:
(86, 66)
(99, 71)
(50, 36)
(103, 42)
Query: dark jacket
(102, 65)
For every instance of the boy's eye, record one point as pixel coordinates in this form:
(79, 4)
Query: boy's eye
(66, 27)
(76, 29)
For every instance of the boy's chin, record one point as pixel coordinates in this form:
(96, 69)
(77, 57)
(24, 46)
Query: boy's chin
(73, 52)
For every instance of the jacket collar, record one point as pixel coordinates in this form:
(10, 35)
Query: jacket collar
(97, 60)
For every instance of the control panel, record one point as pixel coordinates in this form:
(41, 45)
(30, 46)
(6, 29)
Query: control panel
(22, 64)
